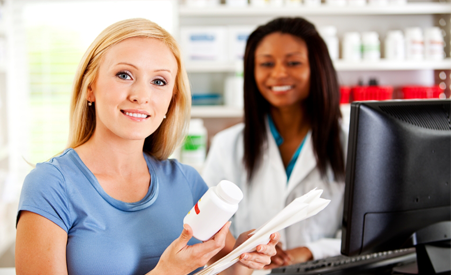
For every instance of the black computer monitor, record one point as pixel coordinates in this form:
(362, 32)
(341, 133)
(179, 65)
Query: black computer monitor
(398, 180)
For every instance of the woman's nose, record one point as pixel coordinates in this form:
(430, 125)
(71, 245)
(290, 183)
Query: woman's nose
(140, 93)
(279, 71)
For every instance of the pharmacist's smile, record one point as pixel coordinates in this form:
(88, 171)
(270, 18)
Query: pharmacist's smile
(281, 88)
(136, 115)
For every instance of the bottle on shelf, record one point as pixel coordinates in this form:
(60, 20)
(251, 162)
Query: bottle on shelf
(329, 35)
(370, 46)
(336, 3)
(352, 47)
(395, 45)
(236, 3)
(414, 43)
(357, 3)
(433, 44)
(193, 151)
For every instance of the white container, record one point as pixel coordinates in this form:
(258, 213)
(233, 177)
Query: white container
(434, 44)
(352, 47)
(378, 2)
(193, 150)
(213, 210)
(395, 45)
(397, 2)
(356, 3)
(414, 43)
(234, 86)
(336, 3)
(276, 3)
(204, 43)
(329, 35)
(371, 46)
(259, 3)
(236, 3)
(312, 2)
(293, 3)
(202, 3)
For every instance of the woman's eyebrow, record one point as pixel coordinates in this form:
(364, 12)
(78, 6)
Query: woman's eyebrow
(129, 64)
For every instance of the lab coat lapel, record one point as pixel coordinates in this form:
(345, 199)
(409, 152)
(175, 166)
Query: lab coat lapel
(305, 163)
(273, 156)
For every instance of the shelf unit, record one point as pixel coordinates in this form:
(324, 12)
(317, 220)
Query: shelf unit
(347, 18)
(381, 65)
(408, 8)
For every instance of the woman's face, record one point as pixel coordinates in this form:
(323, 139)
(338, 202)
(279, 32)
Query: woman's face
(133, 88)
(282, 70)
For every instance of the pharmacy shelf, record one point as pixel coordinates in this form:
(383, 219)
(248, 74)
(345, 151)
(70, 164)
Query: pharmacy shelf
(216, 112)
(229, 112)
(408, 8)
(381, 65)
(389, 65)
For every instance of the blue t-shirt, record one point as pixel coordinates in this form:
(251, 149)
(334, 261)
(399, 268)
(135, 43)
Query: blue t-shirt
(105, 235)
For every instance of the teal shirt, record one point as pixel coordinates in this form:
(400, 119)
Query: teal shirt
(279, 140)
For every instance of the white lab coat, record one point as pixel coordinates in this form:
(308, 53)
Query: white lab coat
(268, 193)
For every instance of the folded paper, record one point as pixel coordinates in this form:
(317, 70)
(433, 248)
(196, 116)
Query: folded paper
(299, 209)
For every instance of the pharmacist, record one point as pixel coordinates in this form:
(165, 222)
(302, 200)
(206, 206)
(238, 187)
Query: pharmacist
(291, 140)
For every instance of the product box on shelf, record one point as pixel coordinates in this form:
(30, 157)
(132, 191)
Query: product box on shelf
(419, 92)
(362, 93)
(345, 93)
(237, 38)
(204, 43)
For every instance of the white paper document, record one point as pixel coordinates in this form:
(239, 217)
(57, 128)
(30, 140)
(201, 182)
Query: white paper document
(300, 209)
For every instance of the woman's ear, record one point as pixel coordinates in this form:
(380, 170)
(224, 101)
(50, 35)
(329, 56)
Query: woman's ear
(90, 94)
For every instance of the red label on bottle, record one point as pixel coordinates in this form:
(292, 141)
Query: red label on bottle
(196, 208)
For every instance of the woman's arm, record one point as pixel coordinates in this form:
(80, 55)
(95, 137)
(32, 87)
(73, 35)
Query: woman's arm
(40, 246)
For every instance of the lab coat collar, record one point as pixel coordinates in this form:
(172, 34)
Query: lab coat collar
(305, 163)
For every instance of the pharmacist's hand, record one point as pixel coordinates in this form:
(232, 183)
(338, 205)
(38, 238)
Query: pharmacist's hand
(181, 258)
(263, 253)
(280, 259)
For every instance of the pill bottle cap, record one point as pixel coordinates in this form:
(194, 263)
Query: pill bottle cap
(229, 192)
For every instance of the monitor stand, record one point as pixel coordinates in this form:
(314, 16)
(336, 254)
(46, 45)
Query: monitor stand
(433, 249)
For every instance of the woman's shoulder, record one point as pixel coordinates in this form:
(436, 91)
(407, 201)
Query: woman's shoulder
(54, 167)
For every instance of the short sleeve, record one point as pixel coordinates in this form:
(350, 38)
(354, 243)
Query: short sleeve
(196, 183)
(44, 193)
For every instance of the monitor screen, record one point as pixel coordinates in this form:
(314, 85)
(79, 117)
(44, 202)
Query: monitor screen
(398, 174)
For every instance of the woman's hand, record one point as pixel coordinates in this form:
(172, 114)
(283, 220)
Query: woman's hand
(180, 258)
(257, 259)
(280, 259)
(289, 257)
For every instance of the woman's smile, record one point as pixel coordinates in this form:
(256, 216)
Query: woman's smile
(136, 115)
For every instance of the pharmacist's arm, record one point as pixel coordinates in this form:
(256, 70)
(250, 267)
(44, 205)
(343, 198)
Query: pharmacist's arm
(40, 246)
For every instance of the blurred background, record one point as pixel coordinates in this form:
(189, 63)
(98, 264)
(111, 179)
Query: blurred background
(382, 49)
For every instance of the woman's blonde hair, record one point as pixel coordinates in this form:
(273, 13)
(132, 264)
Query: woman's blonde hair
(82, 117)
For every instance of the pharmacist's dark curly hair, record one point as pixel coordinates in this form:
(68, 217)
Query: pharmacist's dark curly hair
(323, 102)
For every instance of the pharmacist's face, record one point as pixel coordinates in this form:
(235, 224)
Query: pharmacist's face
(282, 69)
(133, 88)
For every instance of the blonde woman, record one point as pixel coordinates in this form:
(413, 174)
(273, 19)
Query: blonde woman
(112, 203)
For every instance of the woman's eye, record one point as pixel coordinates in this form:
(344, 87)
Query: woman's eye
(159, 82)
(266, 64)
(294, 63)
(123, 75)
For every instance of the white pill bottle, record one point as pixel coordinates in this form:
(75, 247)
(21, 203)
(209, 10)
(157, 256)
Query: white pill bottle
(214, 209)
